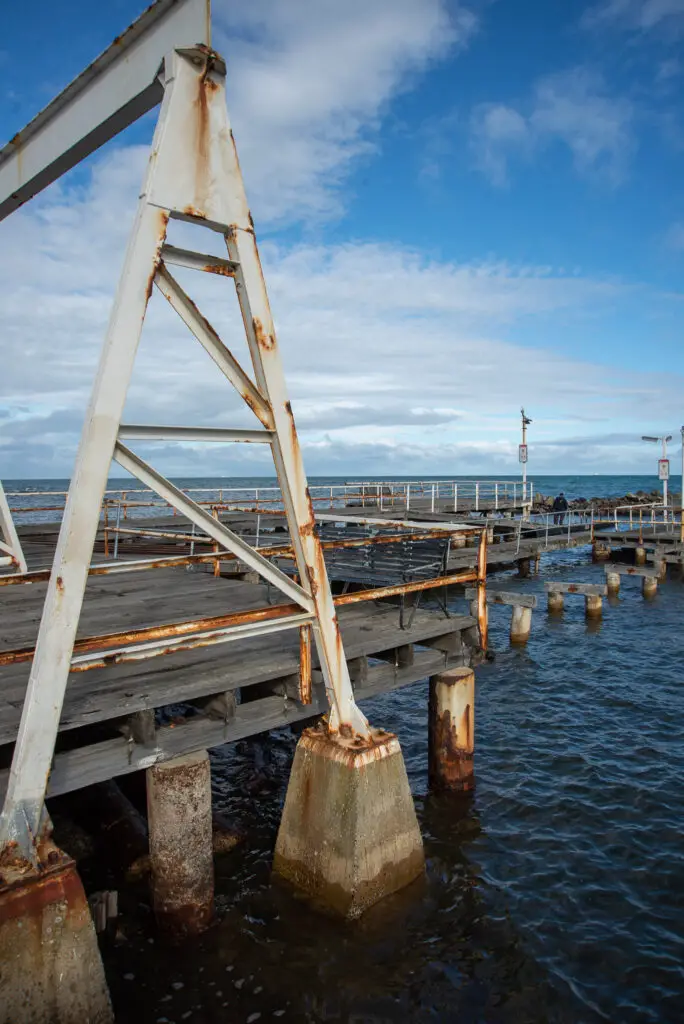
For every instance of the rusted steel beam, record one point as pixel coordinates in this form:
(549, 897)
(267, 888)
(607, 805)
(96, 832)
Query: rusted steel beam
(223, 622)
(481, 576)
(175, 629)
(405, 588)
(305, 664)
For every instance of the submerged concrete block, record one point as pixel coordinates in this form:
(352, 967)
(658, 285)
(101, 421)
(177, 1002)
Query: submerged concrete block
(181, 848)
(50, 966)
(349, 834)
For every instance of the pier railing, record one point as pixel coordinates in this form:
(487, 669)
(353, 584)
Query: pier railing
(426, 495)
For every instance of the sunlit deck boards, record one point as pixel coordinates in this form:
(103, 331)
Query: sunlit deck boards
(104, 697)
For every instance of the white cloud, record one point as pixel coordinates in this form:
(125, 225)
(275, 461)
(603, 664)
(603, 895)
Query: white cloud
(392, 359)
(308, 81)
(641, 15)
(388, 354)
(674, 237)
(495, 130)
(571, 107)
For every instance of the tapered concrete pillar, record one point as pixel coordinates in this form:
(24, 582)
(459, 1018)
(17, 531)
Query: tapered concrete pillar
(555, 602)
(521, 624)
(640, 556)
(649, 586)
(613, 582)
(593, 606)
(181, 854)
(451, 730)
(523, 567)
(349, 834)
(50, 966)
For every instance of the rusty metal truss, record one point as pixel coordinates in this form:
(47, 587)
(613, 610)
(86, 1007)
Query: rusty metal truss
(192, 175)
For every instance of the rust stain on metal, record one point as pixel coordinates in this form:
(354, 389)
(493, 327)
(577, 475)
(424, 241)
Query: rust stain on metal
(305, 664)
(347, 747)
(97, 643)
(264, 340)
(404, 588)
(59, 583)
(163, 220)
(213, 268)
(451, 765)
(192, 211)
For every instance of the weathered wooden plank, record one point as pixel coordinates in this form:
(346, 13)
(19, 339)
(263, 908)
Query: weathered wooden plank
(98, 762)
(595, 589)
(631, 570)
(120, 691)
(505, 597)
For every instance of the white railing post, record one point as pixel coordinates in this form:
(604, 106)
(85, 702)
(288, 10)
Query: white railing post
(455, 497)
(477, 497)
(432, 503)
(496, 496)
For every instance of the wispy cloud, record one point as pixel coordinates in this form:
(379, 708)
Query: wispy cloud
(308, 82)
(674, 237)
(639, 15)
(573, 108)
(388, 354)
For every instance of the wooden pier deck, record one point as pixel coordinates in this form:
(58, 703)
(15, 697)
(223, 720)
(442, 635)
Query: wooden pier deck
(109, 726)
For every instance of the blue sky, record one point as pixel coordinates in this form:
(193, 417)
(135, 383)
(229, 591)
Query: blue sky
(462, 207)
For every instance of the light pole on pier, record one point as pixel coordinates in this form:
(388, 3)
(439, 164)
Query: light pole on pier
(681, 496)
(663, 463)
(522, 453)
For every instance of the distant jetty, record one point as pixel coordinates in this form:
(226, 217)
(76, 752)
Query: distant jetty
(544, 503)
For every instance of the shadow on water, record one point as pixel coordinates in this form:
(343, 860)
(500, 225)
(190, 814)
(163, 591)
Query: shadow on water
(555, 894)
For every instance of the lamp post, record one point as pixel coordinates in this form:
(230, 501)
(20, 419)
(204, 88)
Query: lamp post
(522, 453)
(663, 464)
(681, 496)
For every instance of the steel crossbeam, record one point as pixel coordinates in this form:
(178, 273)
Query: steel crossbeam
(193, 175)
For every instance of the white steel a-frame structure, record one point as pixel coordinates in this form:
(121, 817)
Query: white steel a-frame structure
(11, 553)
(193, 174)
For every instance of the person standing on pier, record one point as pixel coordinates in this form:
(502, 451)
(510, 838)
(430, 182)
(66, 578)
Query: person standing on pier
(560, 507)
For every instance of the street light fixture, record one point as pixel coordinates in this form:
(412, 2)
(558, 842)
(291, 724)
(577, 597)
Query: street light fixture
(522, 453)
(663, 463)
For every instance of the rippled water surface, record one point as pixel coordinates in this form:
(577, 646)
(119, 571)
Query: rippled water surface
(556, 894)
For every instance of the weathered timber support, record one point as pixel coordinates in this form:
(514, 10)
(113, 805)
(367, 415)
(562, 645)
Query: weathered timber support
(523, 567)
(649, 586)
(640, 556)
(349, 834)
(181, 854)
(593, 606)
(613, 582)
(451, 730)
(600, 551)
(50, 966)
(555, 602)
(521, 624)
